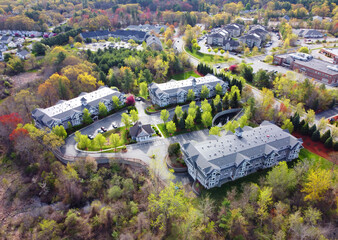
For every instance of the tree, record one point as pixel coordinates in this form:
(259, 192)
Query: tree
(49, 229)
(219, 89)
(60, 131)
(99, 140)
(312, 215)
(234, 101)
(243, 121)
(39, 49)
(225, 101)
(325, 136)
(130, 101)
(295, 121)
(287, 124)
(115, 192)
(192, 110)
(86, 119)
(304, 50)
(282, 180)
(205, 92)
(144, 90)
(190, 95)
(103, 112)
(179, 112)
(315, 136)
(164, 115)
(312, 129)
(198, 117)
(215, 131)
(189, 122)
(205, 106)
(171, 127)
(317, 183)
(261, 79)
(116, 101)
(126, 120)
(305, 129)
(310, 116)
(264, 200)
(207, 119)
(322, 124)
(134, 116)
(115, 140)
(328, 143)
(246, 72)
(168, 205)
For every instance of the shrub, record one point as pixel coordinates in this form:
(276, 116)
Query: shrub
(174, 149)
(325, 136)
(328, 143)
(315, 136)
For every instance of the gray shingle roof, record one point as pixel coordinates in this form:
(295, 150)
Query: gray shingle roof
(141, 130)
(228, 150)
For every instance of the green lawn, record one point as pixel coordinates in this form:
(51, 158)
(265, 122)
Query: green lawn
(185, 75)
(207, 58)
(165, 133)
(123, 139)
(218, 193)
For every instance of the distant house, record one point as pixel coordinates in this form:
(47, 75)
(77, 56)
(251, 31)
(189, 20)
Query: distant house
(23, 54)
(313, 34)
(6, 39)
(154, 43)
(126, 35)
(319, 18)
(217, 37)
(232, 156)
(147, 28)
(234, 30)
(286, 17)
(310, 33)
(12, 44)
(174, 92)
(140, 132)
(230, 45)
(72, 110)
(262, 33)
(251, 40)
(98, 35)
(3, 47)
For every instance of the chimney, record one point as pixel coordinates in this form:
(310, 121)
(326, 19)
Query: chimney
(238, 132)
(83, 101)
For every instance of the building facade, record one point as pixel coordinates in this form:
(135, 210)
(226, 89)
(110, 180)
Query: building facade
(325, 72)
(72, 110)
(222, 159)
(174, 92)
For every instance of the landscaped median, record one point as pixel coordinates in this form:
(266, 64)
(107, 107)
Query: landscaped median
(166, 134)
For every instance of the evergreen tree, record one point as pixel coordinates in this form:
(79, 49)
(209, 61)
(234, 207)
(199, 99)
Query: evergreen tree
(315, 136)
(198, 118)
(181, 123)
(301, 124)
(325, 136)
(219, 107)
(213, 109)
(234, 101)
(226, 102)
(335, 146)
(329, 143)
(175, 119)
(295, 121)
(312, 129)
(305, 129)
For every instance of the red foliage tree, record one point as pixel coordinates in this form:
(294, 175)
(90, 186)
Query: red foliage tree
(18, 133)
(10, 120)
(233, 68)
(130, 101)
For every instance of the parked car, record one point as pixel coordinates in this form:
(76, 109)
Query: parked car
(114, 125)
(138, 99)
(103, 129)
(218, 67)
(90, 137)
(100, 131)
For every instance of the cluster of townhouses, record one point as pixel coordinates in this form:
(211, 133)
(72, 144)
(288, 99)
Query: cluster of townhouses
(222, 159)
(174, 92)
(323, 71)
(137, 35)
(225, 37)
(72, 110)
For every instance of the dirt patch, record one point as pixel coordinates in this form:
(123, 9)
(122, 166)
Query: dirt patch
(198, 73)
(317, 147)
(22, 79)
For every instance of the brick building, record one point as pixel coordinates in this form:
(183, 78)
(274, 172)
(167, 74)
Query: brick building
(313, 68)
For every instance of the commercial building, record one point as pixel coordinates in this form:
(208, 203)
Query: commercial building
(174, 92)
(72, 110)
(314, 68)
(330, 52)
(222, 159)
